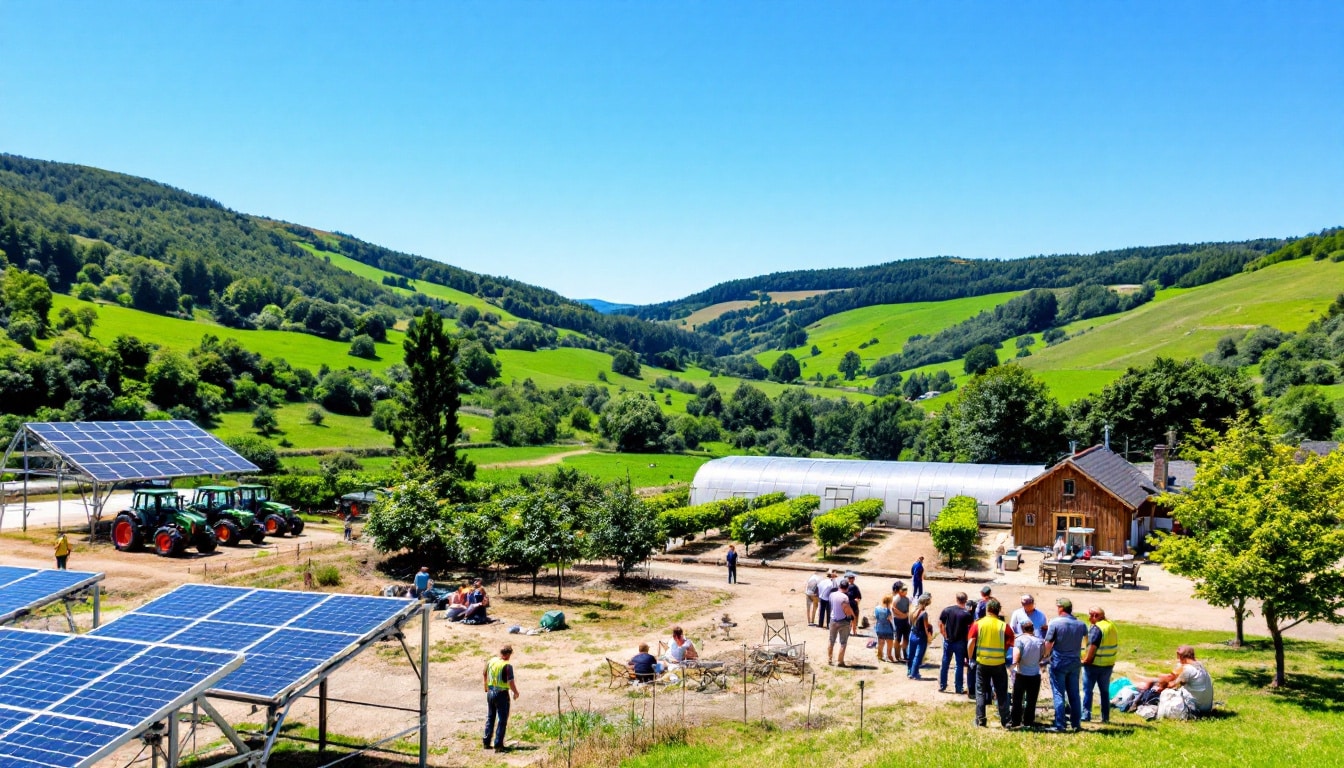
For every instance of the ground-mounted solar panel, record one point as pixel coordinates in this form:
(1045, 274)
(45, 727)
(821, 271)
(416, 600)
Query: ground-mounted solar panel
(23, 590)
(287, 636)
(72, 700)
(113, 451)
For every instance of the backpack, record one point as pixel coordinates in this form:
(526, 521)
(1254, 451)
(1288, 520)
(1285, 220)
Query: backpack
(553, 620)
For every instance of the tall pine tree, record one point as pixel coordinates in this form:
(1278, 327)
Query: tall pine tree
(430, 398)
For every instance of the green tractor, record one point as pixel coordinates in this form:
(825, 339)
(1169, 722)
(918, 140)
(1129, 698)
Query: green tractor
(219, 504)
(157, 516)
(278, 519)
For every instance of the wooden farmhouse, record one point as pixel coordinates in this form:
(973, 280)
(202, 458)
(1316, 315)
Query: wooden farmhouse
(1096, 489)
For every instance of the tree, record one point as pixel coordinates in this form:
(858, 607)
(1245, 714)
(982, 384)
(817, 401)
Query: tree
(850, 364)
(1304, 413)
(263, 420)
(477, 365)
(956, 528)
(542, 532)
(885, 428)
(625, 363)
(621, 527)
(748, 407)
(786, 369)
(257, 451)
(980, 359)
(1004, 416)
(316, 416)
(363, 346)
(410, 518)
(472, 536)
(1262, 524)
(634, 423)
(430, 397)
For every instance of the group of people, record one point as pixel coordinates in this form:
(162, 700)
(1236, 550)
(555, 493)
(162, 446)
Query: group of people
(681, 652)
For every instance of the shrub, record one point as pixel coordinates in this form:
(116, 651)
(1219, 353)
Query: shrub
(844, 523)
(956, 528)
(257, 451)
(328, 576)
(768, 499)
(769, 523)
(303, 491)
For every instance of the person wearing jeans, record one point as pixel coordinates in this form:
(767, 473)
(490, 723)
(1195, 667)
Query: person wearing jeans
(955, 624)
(990, 639)
(920, 631)
(1063, 646)
(1099, 662)
(1027, 683)
(499, 683)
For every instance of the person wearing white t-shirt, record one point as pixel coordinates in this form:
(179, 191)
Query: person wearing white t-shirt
(1194, 678)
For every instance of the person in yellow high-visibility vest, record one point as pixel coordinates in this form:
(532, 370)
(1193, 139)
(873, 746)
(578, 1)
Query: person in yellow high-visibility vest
(1098, 662)
(62, 550)
(988, 643)
(498, 681)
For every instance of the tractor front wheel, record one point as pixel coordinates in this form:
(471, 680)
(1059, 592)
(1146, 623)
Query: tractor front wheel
(258, 534)
(296, 526)
(168, 542)
(126, 534)
(275, 525)
(226, 531)
(206, 542)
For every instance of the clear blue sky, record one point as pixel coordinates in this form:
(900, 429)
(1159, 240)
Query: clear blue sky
(640, 151)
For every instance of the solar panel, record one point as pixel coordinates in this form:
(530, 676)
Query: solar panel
(111, 451)
(23, 590)
(286, 636)
(68, 701)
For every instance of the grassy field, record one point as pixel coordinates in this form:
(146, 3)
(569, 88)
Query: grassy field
(644, 470)
(713, 311)
(1302, 725)
(302, 350)
(891, 324)
(336, 431)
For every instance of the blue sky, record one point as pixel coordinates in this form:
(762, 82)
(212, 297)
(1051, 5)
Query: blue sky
(642, 151)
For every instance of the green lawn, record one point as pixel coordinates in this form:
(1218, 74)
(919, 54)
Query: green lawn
(314, 463)
(1302, 725)
(506, 455)
(891, 324)
(301, 350)
(644, 470)
(335, 433)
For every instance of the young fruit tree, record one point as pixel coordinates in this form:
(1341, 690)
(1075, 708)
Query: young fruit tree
(1264, 523)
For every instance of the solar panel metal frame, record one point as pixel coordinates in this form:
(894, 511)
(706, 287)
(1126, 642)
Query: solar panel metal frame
(230, 596)
(130, 732)
(134, 450)
(56, 596)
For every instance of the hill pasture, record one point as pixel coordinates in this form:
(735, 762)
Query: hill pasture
(714, 311)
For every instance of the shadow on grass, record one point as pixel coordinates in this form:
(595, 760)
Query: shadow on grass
(1313, 693)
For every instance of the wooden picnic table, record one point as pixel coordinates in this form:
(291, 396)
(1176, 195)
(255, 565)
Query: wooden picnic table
(1094, 573)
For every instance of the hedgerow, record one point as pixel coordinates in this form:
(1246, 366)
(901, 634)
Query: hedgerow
(844, 523)
(768, 523)
(956, 528)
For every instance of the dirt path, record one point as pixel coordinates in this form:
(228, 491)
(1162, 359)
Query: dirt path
(543, 461)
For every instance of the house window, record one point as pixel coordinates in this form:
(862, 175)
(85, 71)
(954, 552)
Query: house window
(1031, 519)
(1068, 487)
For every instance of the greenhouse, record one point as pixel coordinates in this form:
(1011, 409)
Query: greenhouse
(914, 492)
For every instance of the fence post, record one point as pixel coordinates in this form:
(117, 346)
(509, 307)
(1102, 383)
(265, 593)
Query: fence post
(811, 691)
(744, 683)
(861, 682)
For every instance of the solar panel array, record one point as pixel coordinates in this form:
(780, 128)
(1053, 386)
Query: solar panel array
(26, 589)
(67, 701)
(286, 636)
(111, 451)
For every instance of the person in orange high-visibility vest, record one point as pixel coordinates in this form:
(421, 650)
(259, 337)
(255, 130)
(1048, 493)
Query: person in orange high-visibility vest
(988, 643)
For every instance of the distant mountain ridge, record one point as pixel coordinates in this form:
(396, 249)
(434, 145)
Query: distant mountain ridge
(605, 307)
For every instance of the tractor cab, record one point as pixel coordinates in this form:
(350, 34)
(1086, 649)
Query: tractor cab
(157, 502)
(220, 506)
(278, 519)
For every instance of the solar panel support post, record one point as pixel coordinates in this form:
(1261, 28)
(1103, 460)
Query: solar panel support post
(424, 683)
(25, 480)
(174, 747)
(322, 716)
(245, 753)
(97, 604)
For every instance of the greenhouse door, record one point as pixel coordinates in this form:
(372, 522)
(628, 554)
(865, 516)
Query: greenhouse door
(917, 516)
(836, 497)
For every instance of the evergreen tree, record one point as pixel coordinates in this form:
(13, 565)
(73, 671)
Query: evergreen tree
(430, 398)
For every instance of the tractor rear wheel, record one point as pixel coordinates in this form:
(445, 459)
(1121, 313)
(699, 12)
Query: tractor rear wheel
(206, 542)
(226, 531)
(275, 525)
(126, 534)
(168, 542)
(296, 526)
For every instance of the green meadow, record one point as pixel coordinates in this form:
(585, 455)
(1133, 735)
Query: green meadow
(645, 470)
(336, 432)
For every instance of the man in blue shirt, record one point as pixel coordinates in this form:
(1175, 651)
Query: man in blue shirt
(1063, 647)
(422, 583)
(731, 557)
(644, 665)
(917, 577)
(1029, 612)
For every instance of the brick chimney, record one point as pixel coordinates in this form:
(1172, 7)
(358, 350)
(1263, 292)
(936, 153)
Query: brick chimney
(1160, 467)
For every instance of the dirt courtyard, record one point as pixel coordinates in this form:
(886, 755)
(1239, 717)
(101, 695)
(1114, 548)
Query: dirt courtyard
(608, 621)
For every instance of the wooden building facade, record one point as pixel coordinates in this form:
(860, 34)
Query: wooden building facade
(1094, 488)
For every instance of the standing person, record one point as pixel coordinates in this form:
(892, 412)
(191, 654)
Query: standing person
(920, 631)
(998, 558)
(422, 582)
(955, 624)
(1028, 613)
(499, 682)
(855, 597)
(900, 611)
(1059, 547)
(828, 586)
(842, 617)
(810, 591)
(62, 550)
(885, 630)
(1063, 648)
(979, 613)
(1027, 649)
(917, 576)
(731, 557)
(1102, 644)
(349, 527)
(988, 643)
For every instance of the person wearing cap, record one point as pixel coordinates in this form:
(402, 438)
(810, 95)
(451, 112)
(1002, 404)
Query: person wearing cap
(855, 597)
(988, 643)
(1028, 612)
(1098, 662)
(917, 577)
(955, 624)
(900, 618)
(972, 677)
(811, 592)
(842, 620)
(824, 591)
(1063, 647)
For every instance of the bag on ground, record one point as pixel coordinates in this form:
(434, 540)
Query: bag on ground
(553, 620)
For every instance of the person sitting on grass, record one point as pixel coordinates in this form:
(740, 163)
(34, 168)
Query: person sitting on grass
(682, 651)
(457, 604)
(644, 666)
(478, 603)
(1189, 680)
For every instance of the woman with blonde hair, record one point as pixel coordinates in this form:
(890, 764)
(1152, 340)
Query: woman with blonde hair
(885, 630)
(920, 632)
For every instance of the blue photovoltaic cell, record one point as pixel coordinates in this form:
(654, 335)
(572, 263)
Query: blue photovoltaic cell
(148, 629)
(16, 646)
(350, 613)
(137, 450)
(273, 608)
(65, 668)
(192, 601)
(57, 741)
(144, 685)
(217, 634)
(10, 573)
(302, 644)
(25, 589)
(11, 717)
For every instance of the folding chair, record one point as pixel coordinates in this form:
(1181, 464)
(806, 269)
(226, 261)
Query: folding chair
(620, 674)
(776, 629)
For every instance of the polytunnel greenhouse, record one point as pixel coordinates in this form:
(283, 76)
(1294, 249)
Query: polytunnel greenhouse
(914, 492)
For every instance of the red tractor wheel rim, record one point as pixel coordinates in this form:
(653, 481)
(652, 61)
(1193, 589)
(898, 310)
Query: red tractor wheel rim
(123, 533)
(272, 526)
(164, 542)
(222, 533)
